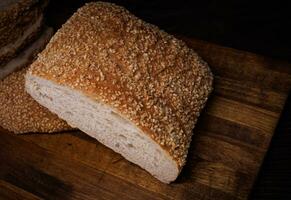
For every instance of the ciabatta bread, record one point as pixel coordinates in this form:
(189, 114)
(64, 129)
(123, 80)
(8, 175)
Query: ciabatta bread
(133, 87)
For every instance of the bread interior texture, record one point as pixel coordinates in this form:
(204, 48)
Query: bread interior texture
(105, 124)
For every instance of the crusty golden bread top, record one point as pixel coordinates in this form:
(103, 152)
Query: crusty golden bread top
(20, 113)
(149, 76)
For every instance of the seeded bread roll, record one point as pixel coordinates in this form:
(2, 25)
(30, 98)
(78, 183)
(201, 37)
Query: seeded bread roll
(133, 87)
(20, 113)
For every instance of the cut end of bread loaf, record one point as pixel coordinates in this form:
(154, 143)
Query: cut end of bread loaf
(105, 124)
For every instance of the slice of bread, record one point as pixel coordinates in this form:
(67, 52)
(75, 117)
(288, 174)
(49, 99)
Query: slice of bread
(133, 87)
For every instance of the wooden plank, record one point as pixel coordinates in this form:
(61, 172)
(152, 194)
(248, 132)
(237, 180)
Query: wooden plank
(243, 114)
(230, 140)
(245, 135)
(11, 192)
(247, 67)
(251, 95)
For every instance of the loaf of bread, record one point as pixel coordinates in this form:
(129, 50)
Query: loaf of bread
(133, 87)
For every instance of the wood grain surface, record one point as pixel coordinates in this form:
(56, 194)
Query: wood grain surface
(228, 145)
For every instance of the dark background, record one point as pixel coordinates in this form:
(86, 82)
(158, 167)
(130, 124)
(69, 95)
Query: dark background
(257, 26)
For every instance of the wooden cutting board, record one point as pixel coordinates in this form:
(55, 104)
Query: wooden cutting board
(228, 147)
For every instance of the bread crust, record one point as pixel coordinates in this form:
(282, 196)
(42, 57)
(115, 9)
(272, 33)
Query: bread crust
(150, 77)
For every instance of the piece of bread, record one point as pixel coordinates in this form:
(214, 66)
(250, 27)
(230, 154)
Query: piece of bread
(11, 50)
(20, 113)
(133, 87)
(20, 24)
(26, 56)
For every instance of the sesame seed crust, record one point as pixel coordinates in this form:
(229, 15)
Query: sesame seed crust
(150, 77)
(20, 113)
